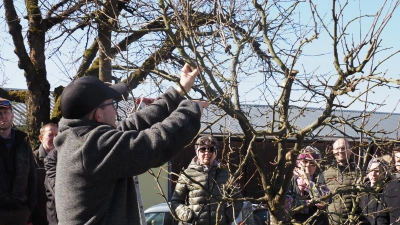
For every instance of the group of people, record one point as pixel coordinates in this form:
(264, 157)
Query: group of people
(91, 182)
(340, 194)
(96, 157)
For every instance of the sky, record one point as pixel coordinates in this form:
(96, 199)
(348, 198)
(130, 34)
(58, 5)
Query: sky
(12, 77)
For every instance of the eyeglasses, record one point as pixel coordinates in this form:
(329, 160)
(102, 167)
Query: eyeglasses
(5, 103)
(114, 105)
(339, 151)
(204, 149)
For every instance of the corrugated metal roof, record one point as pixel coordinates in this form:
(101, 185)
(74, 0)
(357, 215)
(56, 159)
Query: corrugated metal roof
(20, 112)
(386, 124)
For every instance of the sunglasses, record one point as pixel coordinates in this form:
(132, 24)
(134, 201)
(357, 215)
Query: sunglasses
(211, 149)
(5, 103)
(308, 162)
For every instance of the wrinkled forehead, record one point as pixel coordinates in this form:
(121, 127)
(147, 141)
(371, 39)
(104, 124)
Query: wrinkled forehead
(341, 143)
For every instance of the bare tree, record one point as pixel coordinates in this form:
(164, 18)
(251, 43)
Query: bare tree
(266, 40)
(245, 48)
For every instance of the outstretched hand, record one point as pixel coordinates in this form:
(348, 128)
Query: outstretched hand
(202, 104)
(188, 76)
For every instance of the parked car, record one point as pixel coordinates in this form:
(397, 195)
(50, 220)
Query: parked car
(261, 215)
(160, 215)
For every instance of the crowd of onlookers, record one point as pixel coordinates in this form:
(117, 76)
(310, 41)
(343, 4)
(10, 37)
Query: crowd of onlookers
(351, 195)
(337, 193)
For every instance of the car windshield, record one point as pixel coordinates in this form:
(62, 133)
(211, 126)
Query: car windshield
(156, 218)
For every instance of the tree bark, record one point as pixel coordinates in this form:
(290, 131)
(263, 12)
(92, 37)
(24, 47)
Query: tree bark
(34, 66)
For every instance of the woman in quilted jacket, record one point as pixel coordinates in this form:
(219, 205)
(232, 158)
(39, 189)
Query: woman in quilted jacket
(197, 198)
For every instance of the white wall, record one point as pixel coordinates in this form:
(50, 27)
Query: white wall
(149, 188)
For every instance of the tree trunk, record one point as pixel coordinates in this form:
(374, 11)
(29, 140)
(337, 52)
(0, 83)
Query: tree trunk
(279, 216)
(104, 40)
(34, 66)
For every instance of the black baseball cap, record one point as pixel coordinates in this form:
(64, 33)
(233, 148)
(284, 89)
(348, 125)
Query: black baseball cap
(84, 94)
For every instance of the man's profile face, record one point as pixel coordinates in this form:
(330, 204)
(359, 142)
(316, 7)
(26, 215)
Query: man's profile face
(50, 132)
(108, 112)
(341, 151)
(396, 158)
(6, 118)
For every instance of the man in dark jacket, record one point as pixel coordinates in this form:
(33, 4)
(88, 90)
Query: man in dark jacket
(47, 133)
(17, 171)
(97, 159)
(202, 185)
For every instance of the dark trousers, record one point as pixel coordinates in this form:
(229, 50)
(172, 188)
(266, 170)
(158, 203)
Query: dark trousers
(14, 216)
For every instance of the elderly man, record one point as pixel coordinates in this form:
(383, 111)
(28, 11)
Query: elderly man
(97, 159)
(202, 184)
(47, 134)
(17, 171)
(342, 173)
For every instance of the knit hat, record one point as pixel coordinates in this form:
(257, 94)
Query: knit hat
(310, 153)
(84, 94)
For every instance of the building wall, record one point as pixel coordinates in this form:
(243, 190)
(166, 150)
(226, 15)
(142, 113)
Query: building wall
(149, 188)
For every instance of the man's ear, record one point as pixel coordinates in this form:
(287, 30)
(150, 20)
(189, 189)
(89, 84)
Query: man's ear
(40, 138)
(97, 116)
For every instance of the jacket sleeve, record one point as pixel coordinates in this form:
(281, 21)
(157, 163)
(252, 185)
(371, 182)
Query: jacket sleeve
(50, 163)
(32, 183)
(178, 206)
(383, 217)
(148, 138)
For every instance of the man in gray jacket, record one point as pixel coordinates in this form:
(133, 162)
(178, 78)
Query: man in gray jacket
(97, 159)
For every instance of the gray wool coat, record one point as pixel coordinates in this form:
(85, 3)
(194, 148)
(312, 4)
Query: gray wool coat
(201, 207)
(96, 162)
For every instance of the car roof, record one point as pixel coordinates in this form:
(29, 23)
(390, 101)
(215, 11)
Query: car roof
(161, 207)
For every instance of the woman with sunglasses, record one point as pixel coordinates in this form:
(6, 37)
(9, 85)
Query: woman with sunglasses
(202, 185)
(303, 195)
